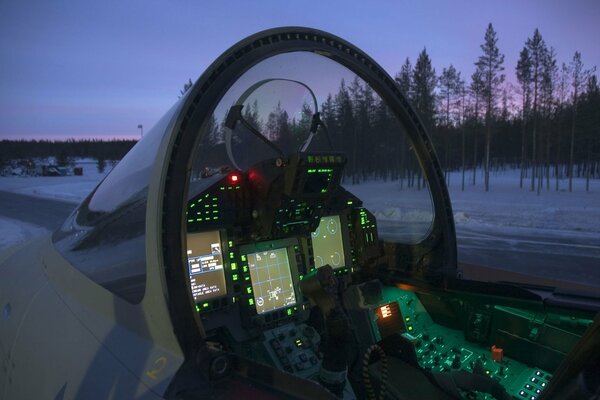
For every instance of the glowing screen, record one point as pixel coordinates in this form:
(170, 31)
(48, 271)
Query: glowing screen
(328, 247)
(205, 263)
(271, 280)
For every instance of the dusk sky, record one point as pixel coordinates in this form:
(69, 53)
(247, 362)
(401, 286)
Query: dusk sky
(87, 69)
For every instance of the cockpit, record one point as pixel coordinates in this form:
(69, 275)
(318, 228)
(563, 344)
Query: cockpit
(307, 241)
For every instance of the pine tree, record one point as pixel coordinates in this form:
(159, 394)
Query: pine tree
(424, 82)
(476, 89)
(579, 76)
(537, 53)
(404, 79)
(490, 65)
(524, 78)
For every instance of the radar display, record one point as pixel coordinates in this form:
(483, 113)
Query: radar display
(205, 263)
(328, 247)
(271, 277)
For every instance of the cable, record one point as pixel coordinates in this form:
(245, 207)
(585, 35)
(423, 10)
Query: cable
(367, 376)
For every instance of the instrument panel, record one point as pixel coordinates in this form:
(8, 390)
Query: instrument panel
(254, 236)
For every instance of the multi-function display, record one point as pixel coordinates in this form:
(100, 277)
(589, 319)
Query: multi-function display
(328, 247)
(205, 263)
(271, 277)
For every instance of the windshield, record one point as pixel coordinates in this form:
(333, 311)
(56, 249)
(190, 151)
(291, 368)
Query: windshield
(317, 105)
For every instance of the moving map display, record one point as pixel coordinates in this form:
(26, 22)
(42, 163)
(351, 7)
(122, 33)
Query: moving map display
(328, 247)
(205, 263)
(271, 278)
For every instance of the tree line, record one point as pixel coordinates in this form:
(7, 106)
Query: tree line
(546, 123)
(65, 151)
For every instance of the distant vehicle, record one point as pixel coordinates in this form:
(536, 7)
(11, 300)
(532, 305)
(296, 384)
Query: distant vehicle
(233, 260)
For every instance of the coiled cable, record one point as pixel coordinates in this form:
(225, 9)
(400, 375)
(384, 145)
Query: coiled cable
(367, 377)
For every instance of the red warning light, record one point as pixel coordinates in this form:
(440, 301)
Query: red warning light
(234, 178)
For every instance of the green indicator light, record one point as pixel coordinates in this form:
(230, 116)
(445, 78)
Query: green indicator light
(230, 243)
(215, 217)
(349, 202)
(311, 159)
(247, 278)
(487, 371)
(249, 290)
(222, 188)
(312, 171)
(244, 258)
(192, 205)
(251, 302)
(301, 277)
(232, 255)
(214, 199)
(199, 219)
(233, 266)
(323, 190)
(245, 268)
(289, 311)
(197, 308)
(206, 195)
(407, 319)
(215, 211)
(214, 205)
(296, 308)
(207, 205)
(237, 187)
(235, 277)
(205, 305)
(410, 328)
(190, 220)
(229, 187)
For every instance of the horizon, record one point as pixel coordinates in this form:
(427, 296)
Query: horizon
(98, 71)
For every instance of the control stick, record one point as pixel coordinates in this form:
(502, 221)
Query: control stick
(322, 287)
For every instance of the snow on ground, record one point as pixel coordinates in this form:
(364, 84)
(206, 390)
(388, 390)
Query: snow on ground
(503, 208)
(13, 232)
(505, 213)
(67, 188)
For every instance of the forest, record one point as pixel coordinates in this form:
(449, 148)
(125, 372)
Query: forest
(544, 122)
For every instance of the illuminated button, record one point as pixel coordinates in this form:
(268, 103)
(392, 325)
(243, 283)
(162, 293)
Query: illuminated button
(249, 290)
(233, 266)
(251, 302)
(386, 311)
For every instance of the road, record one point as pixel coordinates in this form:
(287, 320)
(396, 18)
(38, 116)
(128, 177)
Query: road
(46, 213)
(575, 257)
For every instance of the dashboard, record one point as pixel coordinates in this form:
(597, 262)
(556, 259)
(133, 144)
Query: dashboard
(258, 241)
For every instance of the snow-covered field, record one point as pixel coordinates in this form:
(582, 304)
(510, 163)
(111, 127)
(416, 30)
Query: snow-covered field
(13, 232)
(506, 213)
(67, 188)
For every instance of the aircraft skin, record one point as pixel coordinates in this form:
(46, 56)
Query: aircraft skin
(73, 328)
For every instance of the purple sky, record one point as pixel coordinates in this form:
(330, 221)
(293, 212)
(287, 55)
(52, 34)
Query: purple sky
(98, 69)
